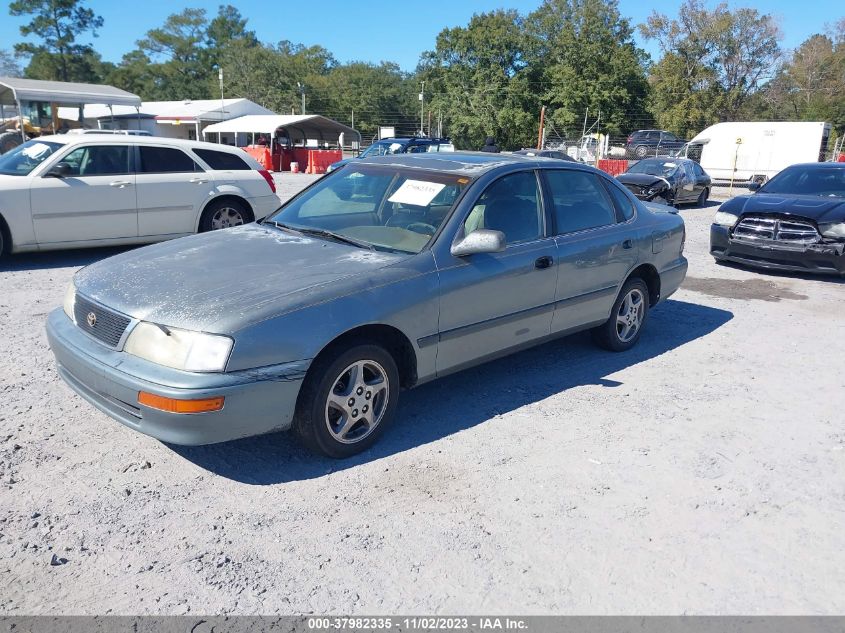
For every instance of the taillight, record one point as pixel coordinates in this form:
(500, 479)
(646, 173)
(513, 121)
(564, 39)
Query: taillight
(269, 178)
(630, 139)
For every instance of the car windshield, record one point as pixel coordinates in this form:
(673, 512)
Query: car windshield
(654, 167)
(380, 208)
(825, 182)
(24, 158)
(382, 149)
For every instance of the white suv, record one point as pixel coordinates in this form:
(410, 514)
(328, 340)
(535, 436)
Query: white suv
(99, 190)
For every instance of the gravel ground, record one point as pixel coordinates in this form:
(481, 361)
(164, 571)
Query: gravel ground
(699, 473)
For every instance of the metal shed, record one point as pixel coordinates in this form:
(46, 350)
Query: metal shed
(15, 91)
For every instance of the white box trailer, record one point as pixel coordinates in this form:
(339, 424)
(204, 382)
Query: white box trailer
(755, 151)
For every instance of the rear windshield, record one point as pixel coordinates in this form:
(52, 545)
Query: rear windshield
(824, 182)
(24, 158)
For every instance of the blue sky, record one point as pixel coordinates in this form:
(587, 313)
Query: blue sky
(376, 30)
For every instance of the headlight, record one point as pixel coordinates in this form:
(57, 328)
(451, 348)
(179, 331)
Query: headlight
(70, 301)
(723, 218)
(834, 230)
(180, 349)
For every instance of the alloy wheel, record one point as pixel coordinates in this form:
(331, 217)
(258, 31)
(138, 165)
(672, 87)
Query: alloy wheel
(226, 217)
(630, 316)
(357, 401)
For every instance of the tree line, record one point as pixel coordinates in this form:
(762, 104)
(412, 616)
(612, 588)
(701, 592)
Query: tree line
(578, 58)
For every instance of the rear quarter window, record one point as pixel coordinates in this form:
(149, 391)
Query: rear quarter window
(222, 160)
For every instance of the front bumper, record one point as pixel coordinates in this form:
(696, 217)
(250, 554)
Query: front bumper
(828, 259)
(256, 401)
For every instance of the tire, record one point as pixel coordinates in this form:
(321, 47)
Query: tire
(9, 141)
(702, 198)
(641, 151)
(223, 214)
(339, 419)
(613, 335)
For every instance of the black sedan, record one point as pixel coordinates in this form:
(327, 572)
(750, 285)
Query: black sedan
(795, 222)
(667, 180)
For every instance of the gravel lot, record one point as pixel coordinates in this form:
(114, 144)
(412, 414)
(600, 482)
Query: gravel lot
(702, 472)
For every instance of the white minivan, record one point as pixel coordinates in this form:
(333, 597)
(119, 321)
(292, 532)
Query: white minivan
(73, 191)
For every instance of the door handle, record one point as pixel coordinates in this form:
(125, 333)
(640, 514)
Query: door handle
(543, 262)
(199, 180)
(119, 183)
(628, 244)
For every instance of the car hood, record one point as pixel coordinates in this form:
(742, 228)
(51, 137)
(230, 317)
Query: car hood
(224, 280)
(641, 180)
(822, 210)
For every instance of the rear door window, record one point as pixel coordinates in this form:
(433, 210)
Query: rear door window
(623, 204)
(165, 160)
(579, 200)
(222, 160)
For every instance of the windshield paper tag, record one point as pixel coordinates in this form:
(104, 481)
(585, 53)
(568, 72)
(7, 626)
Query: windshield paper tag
(35, 150)
(419, 193)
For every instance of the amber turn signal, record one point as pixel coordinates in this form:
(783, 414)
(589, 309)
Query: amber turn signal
(172, 405)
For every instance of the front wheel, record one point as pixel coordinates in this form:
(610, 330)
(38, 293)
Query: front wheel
(702, 197)
(627, 318)
(347, 401)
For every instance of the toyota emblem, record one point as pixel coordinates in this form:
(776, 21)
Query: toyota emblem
(92, 319)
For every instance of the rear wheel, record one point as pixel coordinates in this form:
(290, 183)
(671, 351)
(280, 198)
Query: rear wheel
(9, 141)
(347, 401)
(224, 214)
(641, 151)
(627, 318)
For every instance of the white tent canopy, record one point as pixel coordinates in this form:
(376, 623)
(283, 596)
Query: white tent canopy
(297, 127)
(14, 90)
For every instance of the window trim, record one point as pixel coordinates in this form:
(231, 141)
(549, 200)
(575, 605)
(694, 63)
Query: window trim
(604, 193)
(138, 163)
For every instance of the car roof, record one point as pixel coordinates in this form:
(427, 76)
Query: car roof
(825, 165)
(122, 139)
(471, 164)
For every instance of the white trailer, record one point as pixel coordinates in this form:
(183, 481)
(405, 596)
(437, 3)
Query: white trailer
(756, 151)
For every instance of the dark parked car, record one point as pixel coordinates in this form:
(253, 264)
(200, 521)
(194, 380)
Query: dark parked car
(671, 181)
(383, 275)
(795, 222)
(404, 145)
(644, 143)
(545, 153)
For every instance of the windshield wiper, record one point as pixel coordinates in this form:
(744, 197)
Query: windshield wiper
(339, 237)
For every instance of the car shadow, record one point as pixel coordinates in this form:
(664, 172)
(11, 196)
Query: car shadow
(783, 274)
(59, 259)
(463, 400)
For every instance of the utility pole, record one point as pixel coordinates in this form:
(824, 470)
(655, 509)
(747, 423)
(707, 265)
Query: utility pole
(220, 77)
(422, 107)
(542, 120)
(302, 92)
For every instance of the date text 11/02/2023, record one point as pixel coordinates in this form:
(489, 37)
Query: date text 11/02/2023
(420, 623)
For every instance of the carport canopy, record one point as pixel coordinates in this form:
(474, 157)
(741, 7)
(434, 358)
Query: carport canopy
(298, 127)
(13, 90)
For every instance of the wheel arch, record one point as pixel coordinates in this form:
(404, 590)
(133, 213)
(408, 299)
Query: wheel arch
(223, 197)
(391, 338)
(6, 234)
(648, 273)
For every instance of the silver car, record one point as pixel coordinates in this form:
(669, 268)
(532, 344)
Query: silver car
(387, 273)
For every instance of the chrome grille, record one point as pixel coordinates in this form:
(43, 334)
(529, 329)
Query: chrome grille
(108, 326)
(774, 229)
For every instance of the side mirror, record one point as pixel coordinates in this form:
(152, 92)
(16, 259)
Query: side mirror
(480, 241)
(753, 186)
(59, 170)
